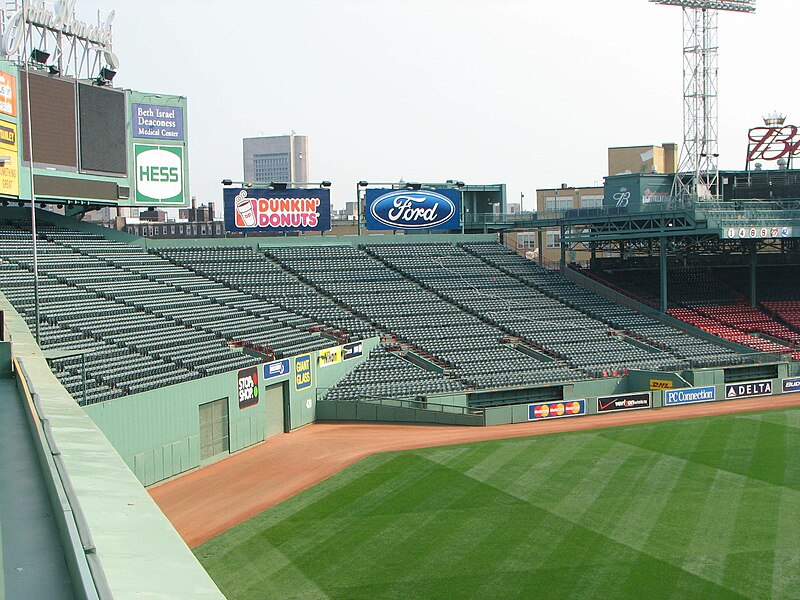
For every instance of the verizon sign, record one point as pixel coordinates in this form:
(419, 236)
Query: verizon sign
(773, 143)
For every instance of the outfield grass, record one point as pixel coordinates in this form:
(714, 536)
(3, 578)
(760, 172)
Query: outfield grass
(703, 508)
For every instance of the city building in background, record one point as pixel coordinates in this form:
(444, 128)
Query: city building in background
(557, 201)
(281, 158)
(643, 159)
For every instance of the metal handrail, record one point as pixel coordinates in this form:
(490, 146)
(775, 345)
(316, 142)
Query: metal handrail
(415, 402)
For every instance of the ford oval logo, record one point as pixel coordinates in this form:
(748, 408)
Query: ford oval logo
(413, 210)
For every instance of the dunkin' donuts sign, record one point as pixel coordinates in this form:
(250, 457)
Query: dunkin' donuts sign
(250, 210)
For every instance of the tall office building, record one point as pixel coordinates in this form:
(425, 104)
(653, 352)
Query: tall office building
(277, 158)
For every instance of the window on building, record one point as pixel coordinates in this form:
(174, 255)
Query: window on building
(592, 201)
(554, 239)
(526, 239)
(203, 230)
(558, 203)
(219, 229)
(172, 229)
(180, 229)
(271, 167)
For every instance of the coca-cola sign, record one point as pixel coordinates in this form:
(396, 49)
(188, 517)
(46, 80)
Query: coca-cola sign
(413, 209)
(773, 143)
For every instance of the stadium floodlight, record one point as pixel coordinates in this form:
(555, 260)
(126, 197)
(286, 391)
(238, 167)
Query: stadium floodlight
(108, 74)
(227, 182)
(748, 6)
(698, 160)
(4, 160)
(39, 56)
(359, 185)
(54, 70)
(325, 184)
(413, 186)
(278, 185)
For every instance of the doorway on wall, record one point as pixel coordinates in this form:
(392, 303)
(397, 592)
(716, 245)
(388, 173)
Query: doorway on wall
(214, 429)
(278, 411)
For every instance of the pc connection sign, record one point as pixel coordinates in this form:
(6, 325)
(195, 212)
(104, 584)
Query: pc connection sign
(690, 396)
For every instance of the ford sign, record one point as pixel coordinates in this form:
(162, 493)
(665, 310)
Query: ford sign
(412, 209)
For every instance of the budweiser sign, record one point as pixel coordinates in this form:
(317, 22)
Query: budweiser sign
(773, 143)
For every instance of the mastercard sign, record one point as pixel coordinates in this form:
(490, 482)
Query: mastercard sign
(556, 410)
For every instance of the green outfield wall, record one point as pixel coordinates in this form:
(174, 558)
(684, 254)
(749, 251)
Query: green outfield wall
(158, 432)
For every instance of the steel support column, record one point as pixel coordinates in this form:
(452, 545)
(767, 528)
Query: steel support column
(753, 257)
(662, 271)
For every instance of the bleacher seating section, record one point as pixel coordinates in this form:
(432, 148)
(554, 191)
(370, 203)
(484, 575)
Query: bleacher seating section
(452, 318)
(715, 300)
(141, 321)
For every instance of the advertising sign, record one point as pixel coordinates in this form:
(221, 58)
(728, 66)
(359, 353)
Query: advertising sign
(251, 210)
(303, 377)
(8, 94)
(9, 171)
(276, 368)
(773, 143)
(353, 350)
(661, 384)
(159, 174)
(791, 384)
(750, 232)
(413, 209)
(690, 396)
(248, 387)
(329, 356)
(750, 389)
(623, 402)
(157, 122)
(555, 410)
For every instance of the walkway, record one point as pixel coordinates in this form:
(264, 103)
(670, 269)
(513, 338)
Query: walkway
(32, 563)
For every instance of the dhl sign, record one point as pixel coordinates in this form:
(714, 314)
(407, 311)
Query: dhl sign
(661, 384)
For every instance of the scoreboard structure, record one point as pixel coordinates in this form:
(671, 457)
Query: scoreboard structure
(89, 144)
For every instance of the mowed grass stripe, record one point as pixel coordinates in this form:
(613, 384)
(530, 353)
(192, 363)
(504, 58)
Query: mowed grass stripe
(747, 435)
(657, 511)
(754, 495)
(786, 566)
(646, 480)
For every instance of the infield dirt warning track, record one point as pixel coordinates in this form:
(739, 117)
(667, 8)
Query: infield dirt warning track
(208, 501)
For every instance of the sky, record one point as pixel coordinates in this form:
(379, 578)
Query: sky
(526, 93)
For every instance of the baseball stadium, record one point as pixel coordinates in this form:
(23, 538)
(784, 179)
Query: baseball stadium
(414, 407)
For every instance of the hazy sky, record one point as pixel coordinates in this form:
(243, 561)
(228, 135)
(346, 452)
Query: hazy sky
(526, 93)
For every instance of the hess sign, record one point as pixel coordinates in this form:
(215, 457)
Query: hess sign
(773, 143)
(413, 209)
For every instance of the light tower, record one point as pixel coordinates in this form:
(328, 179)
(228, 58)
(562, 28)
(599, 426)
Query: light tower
(700, 151)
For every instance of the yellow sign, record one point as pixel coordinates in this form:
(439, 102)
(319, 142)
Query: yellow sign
(8, 136)
(661, 384)
(9, 161)
(329, 356)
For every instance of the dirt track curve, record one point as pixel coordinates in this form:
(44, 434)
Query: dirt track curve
(210, 500)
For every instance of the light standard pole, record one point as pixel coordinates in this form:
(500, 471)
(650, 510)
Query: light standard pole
(29, 128)
(359, 185)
